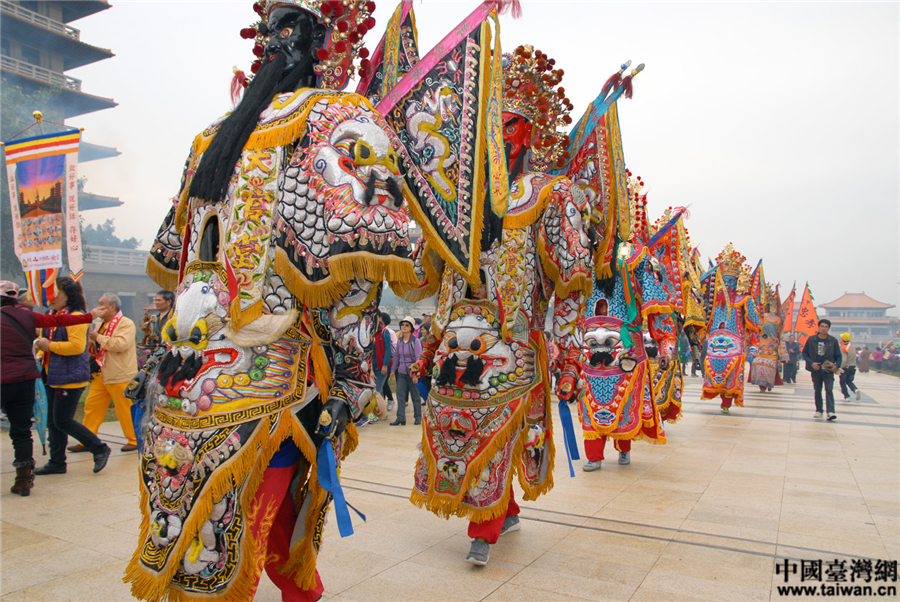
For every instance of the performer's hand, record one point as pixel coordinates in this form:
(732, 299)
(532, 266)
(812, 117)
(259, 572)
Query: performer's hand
(333, 419)
(43, 344)
(664, 362)
(565, 388)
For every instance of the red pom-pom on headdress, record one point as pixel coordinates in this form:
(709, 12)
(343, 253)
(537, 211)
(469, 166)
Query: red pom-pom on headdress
(238, 85)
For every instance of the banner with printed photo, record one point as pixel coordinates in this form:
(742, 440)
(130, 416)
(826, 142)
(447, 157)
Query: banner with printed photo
(43, 194)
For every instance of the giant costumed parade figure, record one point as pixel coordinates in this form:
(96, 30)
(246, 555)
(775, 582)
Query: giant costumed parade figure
(618, 401)
(732, 321)
(764, 369)
(289, 218)
(488, 416)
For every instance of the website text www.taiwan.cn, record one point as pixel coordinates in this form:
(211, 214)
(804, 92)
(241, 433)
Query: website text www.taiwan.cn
(854, 577)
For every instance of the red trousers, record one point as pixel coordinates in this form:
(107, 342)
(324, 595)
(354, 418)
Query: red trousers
(593, 448)
(490, 530)
(726, 402)
(273, 493)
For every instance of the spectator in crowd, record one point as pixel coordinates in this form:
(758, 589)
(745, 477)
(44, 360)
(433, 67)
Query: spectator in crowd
(426, 322)
(848, 367)
(68, 373)
(790, 366)
(25, 298)
(114, 355)
(406, 353)
(878, 357)
(18, 371)
(822, 354)
(864, 357)
(164, 301)
(381, 355)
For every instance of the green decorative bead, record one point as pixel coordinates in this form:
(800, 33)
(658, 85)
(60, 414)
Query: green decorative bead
(260, 361)
(256, 374)
(502, 378)
(494, 381)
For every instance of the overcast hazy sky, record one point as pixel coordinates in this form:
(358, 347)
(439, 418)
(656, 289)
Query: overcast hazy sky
(776, 122)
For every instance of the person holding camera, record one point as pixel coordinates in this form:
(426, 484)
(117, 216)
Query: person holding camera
(822, 354)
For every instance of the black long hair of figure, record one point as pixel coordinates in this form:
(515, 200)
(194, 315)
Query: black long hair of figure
(74, 294)
(607, 285)
(211, 180)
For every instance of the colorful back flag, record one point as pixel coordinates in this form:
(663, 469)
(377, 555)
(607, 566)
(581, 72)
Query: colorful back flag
(786, 310)
(446, 112)
(43, 186)
(807, 320)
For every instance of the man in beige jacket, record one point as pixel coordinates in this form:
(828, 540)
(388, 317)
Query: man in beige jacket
(114, 350)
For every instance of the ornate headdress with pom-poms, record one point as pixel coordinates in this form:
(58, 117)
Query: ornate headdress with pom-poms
(732, 263)
(348, 21)
(637, 205)
(530, 89)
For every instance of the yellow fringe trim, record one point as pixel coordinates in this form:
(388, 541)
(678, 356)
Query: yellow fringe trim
(321, 369)
(289, 132)
(241, 317)
(162, 276)
(342, 269)
(429, 287)
(578, 282)
(246, 467)
(530, 215)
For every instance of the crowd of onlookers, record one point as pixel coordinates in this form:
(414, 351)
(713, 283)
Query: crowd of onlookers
(57, 356)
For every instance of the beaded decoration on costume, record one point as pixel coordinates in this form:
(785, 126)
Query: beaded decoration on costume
(530, 90)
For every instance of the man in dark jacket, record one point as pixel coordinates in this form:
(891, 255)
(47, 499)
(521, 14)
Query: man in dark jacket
(822, 355)
(790, 366)
(18, 372)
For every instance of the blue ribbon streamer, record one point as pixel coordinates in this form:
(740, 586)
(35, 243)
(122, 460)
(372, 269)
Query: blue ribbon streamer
(565, 418)
(328, 479)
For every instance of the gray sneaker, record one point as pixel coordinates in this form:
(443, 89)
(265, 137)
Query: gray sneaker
(857, 395)
(479, 552)
(510, 524)
(591, 466)
(625, 458)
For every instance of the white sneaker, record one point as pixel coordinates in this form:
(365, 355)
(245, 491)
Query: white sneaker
(591, 466)
(857, 394)
(624, 458)
(817, 415)
(847, 398)
(832, 417)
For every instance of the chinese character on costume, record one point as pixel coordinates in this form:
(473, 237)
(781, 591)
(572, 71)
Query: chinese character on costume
(488, 416)
(732, 320)
(289, 217)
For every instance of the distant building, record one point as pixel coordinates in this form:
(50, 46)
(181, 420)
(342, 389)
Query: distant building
(861, 316)
(37, 47)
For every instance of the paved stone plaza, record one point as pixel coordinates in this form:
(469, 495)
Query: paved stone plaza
(705, 517)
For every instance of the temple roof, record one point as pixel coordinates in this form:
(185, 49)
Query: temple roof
(856, 301)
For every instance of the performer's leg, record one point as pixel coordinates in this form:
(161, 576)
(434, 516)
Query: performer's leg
(280, 550)
(123, 410)
(96, 404)
(623, 445)
(593, 449)
(490, 530)
(726, 402)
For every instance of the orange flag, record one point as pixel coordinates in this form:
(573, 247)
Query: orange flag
(786, 310)
(807, 320)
